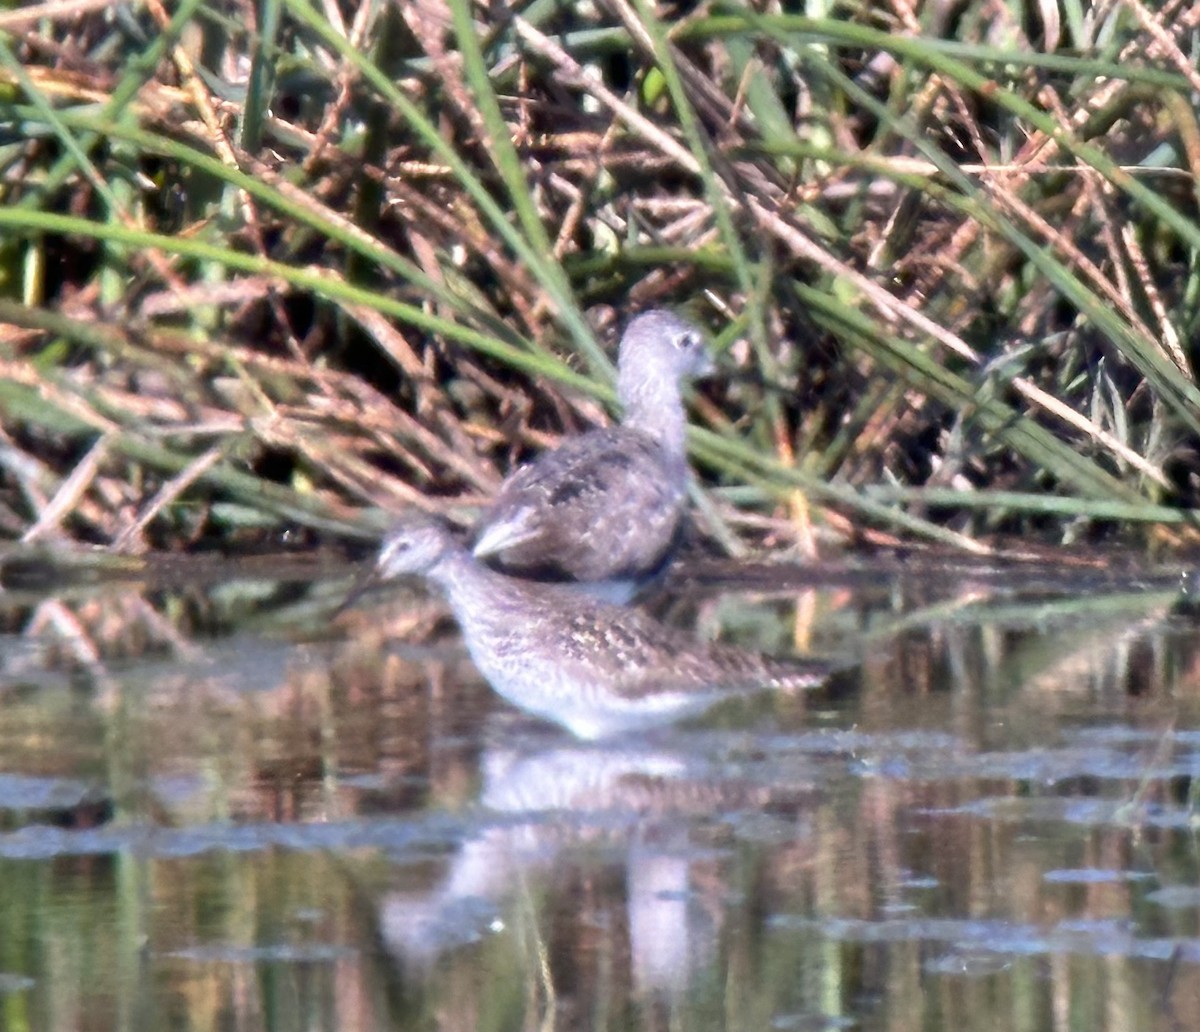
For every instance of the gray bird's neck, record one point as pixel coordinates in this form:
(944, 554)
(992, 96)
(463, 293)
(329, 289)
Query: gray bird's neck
(655, 407)
(470, 587)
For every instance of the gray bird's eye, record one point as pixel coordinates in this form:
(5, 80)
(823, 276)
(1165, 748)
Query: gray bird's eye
(687, 341)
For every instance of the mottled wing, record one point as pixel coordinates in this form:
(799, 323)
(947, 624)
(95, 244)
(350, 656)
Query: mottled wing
(601, 506)
(639, 657)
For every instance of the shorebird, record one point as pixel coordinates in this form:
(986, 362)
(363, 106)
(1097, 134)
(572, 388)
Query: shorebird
(606, 506)
(592, 666)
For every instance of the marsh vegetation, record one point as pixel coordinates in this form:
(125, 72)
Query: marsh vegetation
(272, 271)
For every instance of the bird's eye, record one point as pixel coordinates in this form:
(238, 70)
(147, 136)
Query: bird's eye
(687, 341)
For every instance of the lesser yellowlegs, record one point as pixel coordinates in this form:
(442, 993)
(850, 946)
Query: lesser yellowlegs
(606, 506)
(594, 667)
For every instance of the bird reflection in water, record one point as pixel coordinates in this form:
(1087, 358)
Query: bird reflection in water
(659, 815)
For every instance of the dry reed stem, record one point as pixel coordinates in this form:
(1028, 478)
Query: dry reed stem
(129, 539)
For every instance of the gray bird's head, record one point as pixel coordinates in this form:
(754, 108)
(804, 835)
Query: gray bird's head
(658, 351)
(415, 545)
(659, 346)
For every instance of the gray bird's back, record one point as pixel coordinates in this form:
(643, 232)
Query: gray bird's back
(606, 505)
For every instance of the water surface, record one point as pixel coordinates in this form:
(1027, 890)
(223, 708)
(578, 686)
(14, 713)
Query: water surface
(220, 806)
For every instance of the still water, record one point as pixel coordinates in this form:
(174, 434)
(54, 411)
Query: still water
(221, 806)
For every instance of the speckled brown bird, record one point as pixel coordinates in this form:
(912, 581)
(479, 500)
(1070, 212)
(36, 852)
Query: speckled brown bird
(607, 505)
(594, 667)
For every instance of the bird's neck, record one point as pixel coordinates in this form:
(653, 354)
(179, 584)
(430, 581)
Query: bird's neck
(460, 578)
(655, 407)
(473, 590)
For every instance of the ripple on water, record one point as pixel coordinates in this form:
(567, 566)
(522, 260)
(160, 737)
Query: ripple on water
(11, 983)
(1094, 876)
(811, 1022)
(1176, 897)
(398, 836)
(26, 792)
(284, 953)
(1006, 939)
(968, 964)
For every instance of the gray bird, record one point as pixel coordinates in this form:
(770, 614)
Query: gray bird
(606, 506)
(594, 667)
